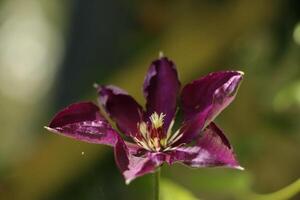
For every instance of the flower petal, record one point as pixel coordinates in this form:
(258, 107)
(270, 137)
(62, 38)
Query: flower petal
(212, 149)
(132, 164)
(191, 128)
(161, 87)
(121, 107)
(214, 91)
(203, 99)
(82, 121)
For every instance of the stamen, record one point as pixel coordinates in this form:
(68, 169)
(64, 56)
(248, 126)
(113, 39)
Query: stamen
(157, 120)
(175, 137)
(163, 142)
(170, 129)
(143, 129)
(153, 138)
(156, 144)
(151, 143)
(142, 143)
(174, 148)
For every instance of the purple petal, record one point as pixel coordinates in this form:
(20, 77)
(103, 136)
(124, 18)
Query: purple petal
(212, 149)
(121, 107)
(191, 128)
(214, 92)
(203, 99)
(82, 121)
(161, 87)
(133, 165)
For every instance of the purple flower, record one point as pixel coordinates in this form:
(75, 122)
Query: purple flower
(150, 139)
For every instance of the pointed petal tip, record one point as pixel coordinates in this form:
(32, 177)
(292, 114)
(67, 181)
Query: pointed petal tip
(127, 182)
(51, 130)
(239, 168)
(48, 128)
(241, 72)
(96, 85)
(161, 54)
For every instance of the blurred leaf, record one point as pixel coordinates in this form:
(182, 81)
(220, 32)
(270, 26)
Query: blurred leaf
(212, 181)
(283, 194)
(288, 97)
(171, 190)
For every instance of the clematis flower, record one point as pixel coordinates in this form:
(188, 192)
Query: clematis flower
(147, 139)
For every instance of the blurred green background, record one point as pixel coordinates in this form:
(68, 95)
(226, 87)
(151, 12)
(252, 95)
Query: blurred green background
(51, 53)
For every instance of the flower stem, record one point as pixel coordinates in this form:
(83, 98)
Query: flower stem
(156, 184)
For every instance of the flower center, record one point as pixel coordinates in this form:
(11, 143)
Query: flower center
(152, 135)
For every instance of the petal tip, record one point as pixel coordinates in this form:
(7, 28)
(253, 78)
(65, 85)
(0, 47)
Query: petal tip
(239, 168)
(127, 182)
(96, 85)
(51, 129)
(161, 54)
(241, 72)
(48, 128)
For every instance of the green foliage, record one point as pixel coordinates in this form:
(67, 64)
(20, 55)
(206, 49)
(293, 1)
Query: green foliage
(171, 191)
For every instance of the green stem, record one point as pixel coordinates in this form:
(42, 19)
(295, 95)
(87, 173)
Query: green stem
(156, 184)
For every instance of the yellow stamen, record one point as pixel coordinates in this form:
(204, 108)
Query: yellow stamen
(163, 142)
(157, 120)
(142, 143)
(153, 138)
(143, 129)
(156, 144)
(169, 132)
(151, 143)
(175, 137)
